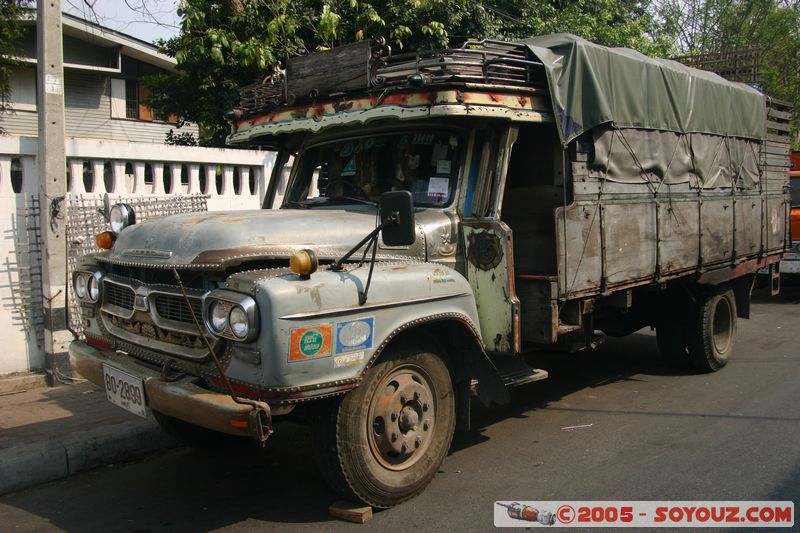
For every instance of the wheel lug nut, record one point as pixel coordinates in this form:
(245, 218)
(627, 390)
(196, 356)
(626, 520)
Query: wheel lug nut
(404, 448)
(403, 398)
(393, 416)
(394, 437)
(425, 406)
(425, 426)
(417, 442)
(416, 396)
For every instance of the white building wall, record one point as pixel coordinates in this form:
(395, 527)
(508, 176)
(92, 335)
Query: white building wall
(233, 180)
(22, 349)
(87, 113)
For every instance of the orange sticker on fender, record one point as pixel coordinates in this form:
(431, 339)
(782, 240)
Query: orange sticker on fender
(310, 343)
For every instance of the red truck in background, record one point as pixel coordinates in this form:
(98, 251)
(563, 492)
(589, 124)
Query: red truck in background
(790, 264)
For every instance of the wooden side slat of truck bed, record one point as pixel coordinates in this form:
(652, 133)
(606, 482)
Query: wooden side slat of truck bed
(783, 139)
(777, 149)
(780, 126)
(786, 115)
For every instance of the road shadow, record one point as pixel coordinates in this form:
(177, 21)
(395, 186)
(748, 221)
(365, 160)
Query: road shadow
(186, 490)
(789, 294)
(630, 358)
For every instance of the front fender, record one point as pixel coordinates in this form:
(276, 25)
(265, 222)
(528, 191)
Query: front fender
(314, 335)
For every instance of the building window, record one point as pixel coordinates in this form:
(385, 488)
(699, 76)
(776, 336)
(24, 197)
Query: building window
(127, 101)
(131, 99)
(22, 89)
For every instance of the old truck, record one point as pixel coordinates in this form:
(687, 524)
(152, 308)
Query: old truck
(447, 214)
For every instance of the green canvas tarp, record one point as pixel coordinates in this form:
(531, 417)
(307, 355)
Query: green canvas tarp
(592, 85)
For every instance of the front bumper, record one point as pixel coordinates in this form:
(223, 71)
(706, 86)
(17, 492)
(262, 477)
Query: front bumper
(181, 399)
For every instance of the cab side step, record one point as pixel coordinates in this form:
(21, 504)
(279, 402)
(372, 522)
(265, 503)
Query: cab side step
(515, 371)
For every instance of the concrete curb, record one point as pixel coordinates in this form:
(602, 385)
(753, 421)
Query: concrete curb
(22, 382)
(27, 465)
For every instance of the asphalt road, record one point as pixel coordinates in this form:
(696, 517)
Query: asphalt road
(655, 434)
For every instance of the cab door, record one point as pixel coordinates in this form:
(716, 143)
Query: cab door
(487, 242)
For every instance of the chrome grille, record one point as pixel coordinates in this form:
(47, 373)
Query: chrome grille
(118, 295)
(174, 308)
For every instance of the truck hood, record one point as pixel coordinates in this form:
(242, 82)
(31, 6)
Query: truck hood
(220, 240)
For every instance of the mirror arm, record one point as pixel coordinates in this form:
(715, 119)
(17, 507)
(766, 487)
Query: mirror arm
(362, 295)
(336, 266)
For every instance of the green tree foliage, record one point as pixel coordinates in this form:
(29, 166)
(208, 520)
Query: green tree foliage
(180, 139)
(775, 30)
(225, 44)
(626, 23)
(10, 32)
(716, 26)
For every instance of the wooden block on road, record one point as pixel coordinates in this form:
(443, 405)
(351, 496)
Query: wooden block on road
(352, 512)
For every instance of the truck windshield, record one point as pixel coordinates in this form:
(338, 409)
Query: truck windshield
(795, 192)
(358, 170)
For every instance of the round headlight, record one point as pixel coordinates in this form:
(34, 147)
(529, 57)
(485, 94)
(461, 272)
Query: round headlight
(217, 316)
(121, 216)
(81, 281)
(238, 322)
(93, 288)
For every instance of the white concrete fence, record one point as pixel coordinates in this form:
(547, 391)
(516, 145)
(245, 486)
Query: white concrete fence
(232, 179)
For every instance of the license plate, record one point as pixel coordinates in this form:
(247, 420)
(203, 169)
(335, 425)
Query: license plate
(124, 390)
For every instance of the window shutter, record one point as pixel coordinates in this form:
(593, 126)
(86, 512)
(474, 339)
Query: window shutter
(117, 98)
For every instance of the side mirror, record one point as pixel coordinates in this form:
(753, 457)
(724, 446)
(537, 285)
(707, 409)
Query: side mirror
(397, 218)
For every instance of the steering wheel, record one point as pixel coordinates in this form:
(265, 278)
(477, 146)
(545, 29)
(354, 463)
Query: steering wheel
(352, 187)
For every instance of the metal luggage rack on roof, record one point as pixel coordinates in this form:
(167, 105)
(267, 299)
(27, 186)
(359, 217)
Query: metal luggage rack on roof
(370, 66)
(486, 61)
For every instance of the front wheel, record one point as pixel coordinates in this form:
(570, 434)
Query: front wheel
(383, 442)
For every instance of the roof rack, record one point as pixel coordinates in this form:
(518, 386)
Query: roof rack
(370, 66)
(487, 61)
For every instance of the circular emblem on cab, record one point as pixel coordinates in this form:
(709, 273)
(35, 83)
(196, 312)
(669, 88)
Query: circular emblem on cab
(311, 343)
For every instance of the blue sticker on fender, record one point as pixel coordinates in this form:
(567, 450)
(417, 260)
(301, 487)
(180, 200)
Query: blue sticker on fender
(354, 335)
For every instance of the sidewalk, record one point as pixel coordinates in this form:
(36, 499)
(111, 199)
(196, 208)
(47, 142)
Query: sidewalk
(50, 433)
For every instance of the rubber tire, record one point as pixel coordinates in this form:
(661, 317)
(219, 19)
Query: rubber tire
(196, 436)
(704, 354)
(339, 429)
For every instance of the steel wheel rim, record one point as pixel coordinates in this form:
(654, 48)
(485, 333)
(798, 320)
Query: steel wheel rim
(402, 417)
(723, 324)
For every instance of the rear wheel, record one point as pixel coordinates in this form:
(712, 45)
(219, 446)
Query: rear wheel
(698, 332)
(712, 335)
(383, 442)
